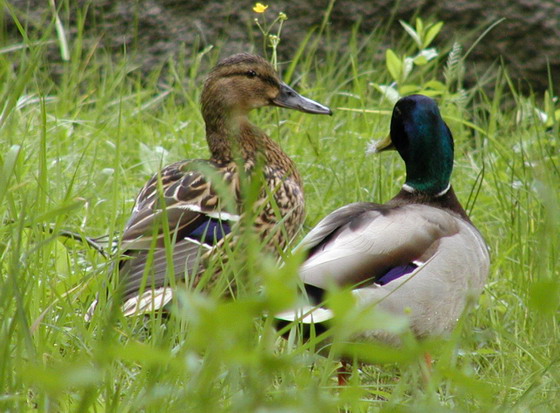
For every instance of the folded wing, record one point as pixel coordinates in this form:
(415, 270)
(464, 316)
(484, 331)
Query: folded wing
(180, 204)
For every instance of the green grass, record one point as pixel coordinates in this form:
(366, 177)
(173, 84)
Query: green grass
(76, 149)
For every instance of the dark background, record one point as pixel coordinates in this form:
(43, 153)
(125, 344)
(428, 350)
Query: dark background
(528, 40)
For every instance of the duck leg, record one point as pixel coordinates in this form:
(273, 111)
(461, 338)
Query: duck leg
(343, 373)
(428, 360)
(426, 368)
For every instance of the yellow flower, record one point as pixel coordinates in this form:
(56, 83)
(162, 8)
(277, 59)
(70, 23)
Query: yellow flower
(260, 8)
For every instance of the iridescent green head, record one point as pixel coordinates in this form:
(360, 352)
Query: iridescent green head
(424, 141)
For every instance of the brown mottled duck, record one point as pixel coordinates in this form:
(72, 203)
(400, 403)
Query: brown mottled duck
(183, 198)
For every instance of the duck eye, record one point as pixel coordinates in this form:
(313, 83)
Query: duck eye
(251, 74)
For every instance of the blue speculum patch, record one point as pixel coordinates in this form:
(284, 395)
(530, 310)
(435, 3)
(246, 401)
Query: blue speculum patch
(210, 231)
(396, 272)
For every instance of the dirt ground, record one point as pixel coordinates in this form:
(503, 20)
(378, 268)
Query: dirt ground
(528, 40)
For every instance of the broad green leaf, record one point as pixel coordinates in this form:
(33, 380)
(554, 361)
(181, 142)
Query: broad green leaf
(409, 89)
(425, 56)
(546, 100)
(430, 92)
(435, 84)
(419, 27)
(62, 265)
(431, 34)
(394, 65)
(412, 33)
(420, 60)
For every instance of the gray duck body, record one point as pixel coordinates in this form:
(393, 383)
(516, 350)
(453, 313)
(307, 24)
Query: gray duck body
(418, 256)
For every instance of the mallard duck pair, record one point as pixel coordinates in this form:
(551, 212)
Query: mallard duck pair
(417, 256)
(182, 203)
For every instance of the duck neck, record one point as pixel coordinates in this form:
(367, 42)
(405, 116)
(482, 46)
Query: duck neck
(224, 134)
(446, 200)
(232, 136)
(428, 168)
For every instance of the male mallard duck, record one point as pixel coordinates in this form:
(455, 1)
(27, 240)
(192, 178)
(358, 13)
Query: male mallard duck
(182, 194)
(418, 255)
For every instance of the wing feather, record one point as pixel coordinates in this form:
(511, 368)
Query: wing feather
(349, 248)
(136, 275)
(183, 199)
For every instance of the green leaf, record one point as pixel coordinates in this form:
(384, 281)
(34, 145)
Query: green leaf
(425, 56)
(431, 34)
(62, 265)
(430, 92)
(419, 27)
(412, 33)
(435, 84)
(420, 60)
(409, 89)
(547, 105)
(394, 65)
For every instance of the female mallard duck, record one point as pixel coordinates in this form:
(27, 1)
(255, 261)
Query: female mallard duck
(418, 255)
(183, 195)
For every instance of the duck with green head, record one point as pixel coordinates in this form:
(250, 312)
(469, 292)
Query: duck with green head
(417, 256)
(183, 198)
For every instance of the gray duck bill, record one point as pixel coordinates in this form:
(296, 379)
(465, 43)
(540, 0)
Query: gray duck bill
(289, 98)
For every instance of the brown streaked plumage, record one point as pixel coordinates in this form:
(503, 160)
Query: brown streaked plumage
(185, 195)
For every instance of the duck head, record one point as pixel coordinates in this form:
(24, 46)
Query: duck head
(423, 141)
(243, 82)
